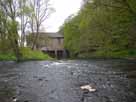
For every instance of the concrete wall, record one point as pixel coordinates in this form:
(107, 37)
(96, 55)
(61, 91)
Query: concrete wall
(53, 43)
(49, 43)
(56, 43)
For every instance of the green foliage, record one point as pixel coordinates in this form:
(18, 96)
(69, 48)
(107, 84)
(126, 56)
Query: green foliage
(102, 28)
(5, 46)
(28, 54)
(110, 54)
(71, 29)
(117, 54)
(10, 39)
(7, 57)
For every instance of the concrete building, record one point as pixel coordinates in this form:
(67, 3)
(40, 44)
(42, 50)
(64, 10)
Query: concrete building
(52, 43)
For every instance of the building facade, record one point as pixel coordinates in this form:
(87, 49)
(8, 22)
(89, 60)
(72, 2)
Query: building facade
(51, 43)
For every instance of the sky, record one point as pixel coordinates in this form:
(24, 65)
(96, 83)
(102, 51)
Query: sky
(63, 9)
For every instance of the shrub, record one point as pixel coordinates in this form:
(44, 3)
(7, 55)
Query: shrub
(28, 54)
(7, 56)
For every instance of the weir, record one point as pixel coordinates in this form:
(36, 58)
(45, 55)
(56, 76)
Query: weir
(59, 54)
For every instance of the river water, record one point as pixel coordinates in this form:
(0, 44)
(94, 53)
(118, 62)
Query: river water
(60, 81)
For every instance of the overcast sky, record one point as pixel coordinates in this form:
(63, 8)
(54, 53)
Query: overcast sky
(63, 9)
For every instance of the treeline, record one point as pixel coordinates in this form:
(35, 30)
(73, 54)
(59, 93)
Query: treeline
(17, 17)
(102, 28)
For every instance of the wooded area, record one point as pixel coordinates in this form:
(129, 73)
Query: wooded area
(102, 28)
(21, 16)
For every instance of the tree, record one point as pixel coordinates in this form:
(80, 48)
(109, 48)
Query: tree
(3, 32)
(15, 15)
(41, 10)
(102, 25)
(24, 11)
(10, 8)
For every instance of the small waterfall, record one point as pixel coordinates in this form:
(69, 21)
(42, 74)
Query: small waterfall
(65, 54)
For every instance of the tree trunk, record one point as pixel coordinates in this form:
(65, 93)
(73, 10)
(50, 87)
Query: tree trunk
(36, 37)
(15, 44)
(17, 51)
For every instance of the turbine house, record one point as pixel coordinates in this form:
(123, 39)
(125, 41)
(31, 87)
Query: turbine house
(51, 43)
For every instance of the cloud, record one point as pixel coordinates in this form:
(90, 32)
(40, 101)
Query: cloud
(64, 8)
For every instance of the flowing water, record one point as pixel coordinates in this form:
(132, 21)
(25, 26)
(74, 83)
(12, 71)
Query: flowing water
(60, 81)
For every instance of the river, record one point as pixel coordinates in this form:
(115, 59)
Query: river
(60, 81)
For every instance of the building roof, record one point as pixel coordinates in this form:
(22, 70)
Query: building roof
(52, 35)
(55, 35)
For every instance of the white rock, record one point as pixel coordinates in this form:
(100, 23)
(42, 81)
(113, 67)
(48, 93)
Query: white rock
(88, 87)
(14, 100)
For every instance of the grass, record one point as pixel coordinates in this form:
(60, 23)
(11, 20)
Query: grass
(128, 54)
(27, 54)
(7, 57)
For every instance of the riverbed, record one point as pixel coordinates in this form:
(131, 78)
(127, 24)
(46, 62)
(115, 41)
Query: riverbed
(61, 81)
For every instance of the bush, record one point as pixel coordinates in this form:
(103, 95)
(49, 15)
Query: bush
(110, 54)
(7, 56)
(117, 54)
(28, 54)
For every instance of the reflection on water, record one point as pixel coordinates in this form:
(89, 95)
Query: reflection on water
(6, 92)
